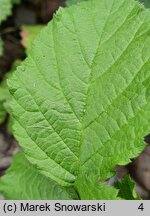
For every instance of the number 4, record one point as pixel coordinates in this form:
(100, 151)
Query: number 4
(141, 207)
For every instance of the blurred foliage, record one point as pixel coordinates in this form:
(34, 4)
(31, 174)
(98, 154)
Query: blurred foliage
(4, 93)
(146, 2)
(16, 1)
(1, 47)
(5, 9)
(72, 2)
(28, 34)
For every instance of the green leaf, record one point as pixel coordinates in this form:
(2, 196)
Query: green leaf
(5, 9)
(145, 2)
(4, 95)
(29, 184)
(126, 188)
(72, 2)
(16, 1)
(4, 92)
(2, 113)
(81, 100)
(91, 189)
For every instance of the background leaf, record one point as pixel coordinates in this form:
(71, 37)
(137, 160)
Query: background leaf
(1, 47)
(5, 9)
(72, 2)
(146, 2)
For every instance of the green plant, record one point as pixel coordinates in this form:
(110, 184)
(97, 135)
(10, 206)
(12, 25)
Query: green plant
(16, 1)
(4, 92)
(72, 2)
(146, 2)
(81, 102)
(1, 47)
(5, 11)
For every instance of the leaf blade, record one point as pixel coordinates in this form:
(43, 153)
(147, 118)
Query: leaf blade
(77, 113)
(28, 184)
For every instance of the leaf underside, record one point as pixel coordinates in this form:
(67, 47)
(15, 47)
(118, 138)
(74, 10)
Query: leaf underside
(81, 99)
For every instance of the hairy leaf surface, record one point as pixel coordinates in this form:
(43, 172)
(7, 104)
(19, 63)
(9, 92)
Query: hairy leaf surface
(90, 188)
(81, 100)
